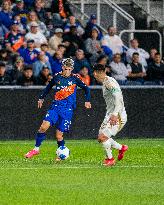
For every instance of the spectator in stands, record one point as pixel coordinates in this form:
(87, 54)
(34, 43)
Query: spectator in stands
(113, 41)
(93, 46)
(4, 77)
(51, 22)
(70, 48)
(14, 37)
(40, 63)
(73, 22)
(3, 32)
(21, 27)
(80, 62)
(7, 58)
(6, 14)
(92, 23)
(19, 9)
(153, 51)
(55, 40)
(44, 47)
(62, 49)
(33, 18)
(84, 76)
(29, 54)
(143, 55)
(155, 71)
(44, 76)
(29, 4)
(136, 71)
(61, 7)
(73, 37)
(40, 10)
(57, 64)
(104, 60)
(16, 72)
(27, 78)
(36, 35)
(118, 70)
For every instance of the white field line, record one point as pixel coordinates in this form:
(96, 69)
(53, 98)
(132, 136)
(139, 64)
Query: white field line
(69, 142)
(78, 167)
(32, 142)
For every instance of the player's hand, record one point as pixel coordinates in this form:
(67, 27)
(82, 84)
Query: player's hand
(40, 103)
(113, 120)
(88, 105)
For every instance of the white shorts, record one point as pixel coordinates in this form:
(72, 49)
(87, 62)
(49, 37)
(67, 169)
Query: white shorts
(109, 130)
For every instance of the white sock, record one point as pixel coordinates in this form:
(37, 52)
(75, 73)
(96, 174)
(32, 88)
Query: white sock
(115, 144)
(36, 148)
(107, 147)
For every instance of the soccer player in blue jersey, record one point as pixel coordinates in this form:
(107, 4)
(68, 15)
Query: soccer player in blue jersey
(61, 110)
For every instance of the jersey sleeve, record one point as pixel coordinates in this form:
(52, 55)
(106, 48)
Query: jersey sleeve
(82, 85)
(48, 88)
(117, 95)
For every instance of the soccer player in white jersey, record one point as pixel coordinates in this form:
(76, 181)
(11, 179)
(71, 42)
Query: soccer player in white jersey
(115, 117)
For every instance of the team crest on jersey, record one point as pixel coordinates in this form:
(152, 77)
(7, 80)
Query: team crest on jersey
(70, 83)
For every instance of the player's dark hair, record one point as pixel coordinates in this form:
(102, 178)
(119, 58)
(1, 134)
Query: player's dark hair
(99, 67)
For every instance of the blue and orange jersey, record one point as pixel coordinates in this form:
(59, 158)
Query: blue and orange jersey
(65, 89)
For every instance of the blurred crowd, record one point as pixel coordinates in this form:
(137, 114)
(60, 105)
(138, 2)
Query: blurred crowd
(34, 38)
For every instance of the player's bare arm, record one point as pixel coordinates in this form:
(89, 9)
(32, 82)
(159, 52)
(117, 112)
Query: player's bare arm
(40, 103)
(88, 105)
(82, 85)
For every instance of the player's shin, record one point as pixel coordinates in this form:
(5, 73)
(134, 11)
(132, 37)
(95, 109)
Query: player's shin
(107, 146)
(40, 137)
(60, 142)
(115, 144)
(59, 137)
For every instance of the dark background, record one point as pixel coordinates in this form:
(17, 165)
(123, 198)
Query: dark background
(20, 118)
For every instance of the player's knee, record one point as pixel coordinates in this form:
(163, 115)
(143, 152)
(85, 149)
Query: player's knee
(102, 138)
(42, 129)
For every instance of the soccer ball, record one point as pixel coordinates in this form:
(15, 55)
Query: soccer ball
(63, 152)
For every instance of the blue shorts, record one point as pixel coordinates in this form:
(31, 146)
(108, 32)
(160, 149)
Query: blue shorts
(61, 116)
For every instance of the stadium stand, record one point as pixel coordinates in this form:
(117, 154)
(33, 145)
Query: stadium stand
(44, 32)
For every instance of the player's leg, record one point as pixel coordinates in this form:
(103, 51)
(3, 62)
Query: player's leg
(108, 143)
(63, 125)
(122, 122)
(109, 161)
(49, 120)
(40, 136)
(59, 138)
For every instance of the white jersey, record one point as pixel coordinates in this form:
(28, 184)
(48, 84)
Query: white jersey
(113, 96)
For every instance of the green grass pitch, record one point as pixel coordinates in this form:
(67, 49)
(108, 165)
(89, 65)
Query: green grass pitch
(81, 180)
